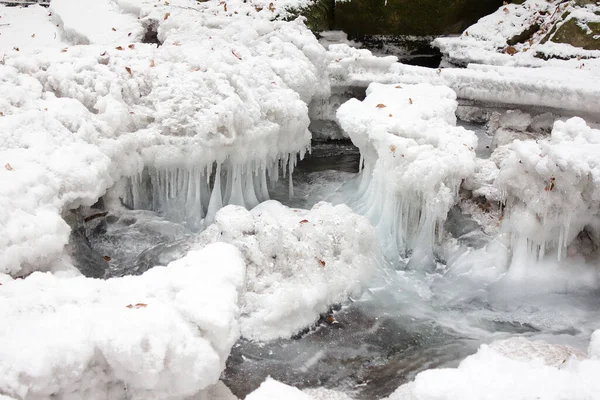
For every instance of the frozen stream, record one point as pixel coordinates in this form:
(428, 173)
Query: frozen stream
(405, 322)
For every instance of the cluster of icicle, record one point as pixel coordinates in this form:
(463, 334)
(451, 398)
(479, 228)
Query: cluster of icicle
(410, 223)
(194, 195)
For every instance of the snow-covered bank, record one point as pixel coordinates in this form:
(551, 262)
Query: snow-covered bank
(222, 79)
(165, 334)
(415, 158)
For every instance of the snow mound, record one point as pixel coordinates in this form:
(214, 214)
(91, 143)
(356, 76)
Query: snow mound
(271, 389)
(157, 120)
(511, 369)
(165, 334)
(299, 262)
(415, 158)
(551, 189)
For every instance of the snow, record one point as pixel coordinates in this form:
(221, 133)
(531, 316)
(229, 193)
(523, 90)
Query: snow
(165, 334)
(224, 80)
(516, 368)
(271, 389)
(299, 262)
(415, 158)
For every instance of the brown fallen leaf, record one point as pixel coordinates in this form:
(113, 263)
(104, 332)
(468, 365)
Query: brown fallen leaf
(107, 258)
(1, 114)
(390, 115)
(129, 34)
(8, 167)
(131, 46)
(271, 7)
(510, 50)
(398, 87)
(506, 11)
(225, 7)
(152, 63)
(129, 70)
(392, 148)
(141, 305)
(114, 29)
(33, 35)
(167, 15)
(466, 33)
(16, 48)
(380, 105)
(321, 262)
(410, 100)
(119, 48)
(257, 8)
(63, 50)
(166, 3)
(304, 221)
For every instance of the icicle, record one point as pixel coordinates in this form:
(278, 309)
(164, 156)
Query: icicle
(237, 196)
(250, 198)
(216, 202)
(290, 182)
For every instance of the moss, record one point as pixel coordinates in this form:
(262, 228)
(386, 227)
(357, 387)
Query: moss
(571, 33)
(410, 17)
(319, 15)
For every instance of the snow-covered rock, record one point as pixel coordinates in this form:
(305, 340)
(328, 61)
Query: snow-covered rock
(165, 334)
(415, 158)
(299, 262)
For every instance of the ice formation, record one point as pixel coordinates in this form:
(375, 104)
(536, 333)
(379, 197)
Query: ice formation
(165, 334)
(515, 368)
(93, 101)
(299, 262)
(552, 189)
(415, 158)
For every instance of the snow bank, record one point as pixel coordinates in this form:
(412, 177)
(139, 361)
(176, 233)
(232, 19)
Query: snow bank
(165, 334)
(511, 369)
(415, 159)
(299, 262)
(517, 35)
(159, 119)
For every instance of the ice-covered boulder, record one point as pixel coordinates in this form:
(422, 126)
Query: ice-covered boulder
(154, 100)
(165, 334)
(299, 262)
(415, 158)
(551, 188)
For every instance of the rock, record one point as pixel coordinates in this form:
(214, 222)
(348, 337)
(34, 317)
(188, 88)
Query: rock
(573, 33)
(361, 18)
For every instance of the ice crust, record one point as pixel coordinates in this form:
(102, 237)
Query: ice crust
(165, 334)
(226, 90)
(415, 158)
